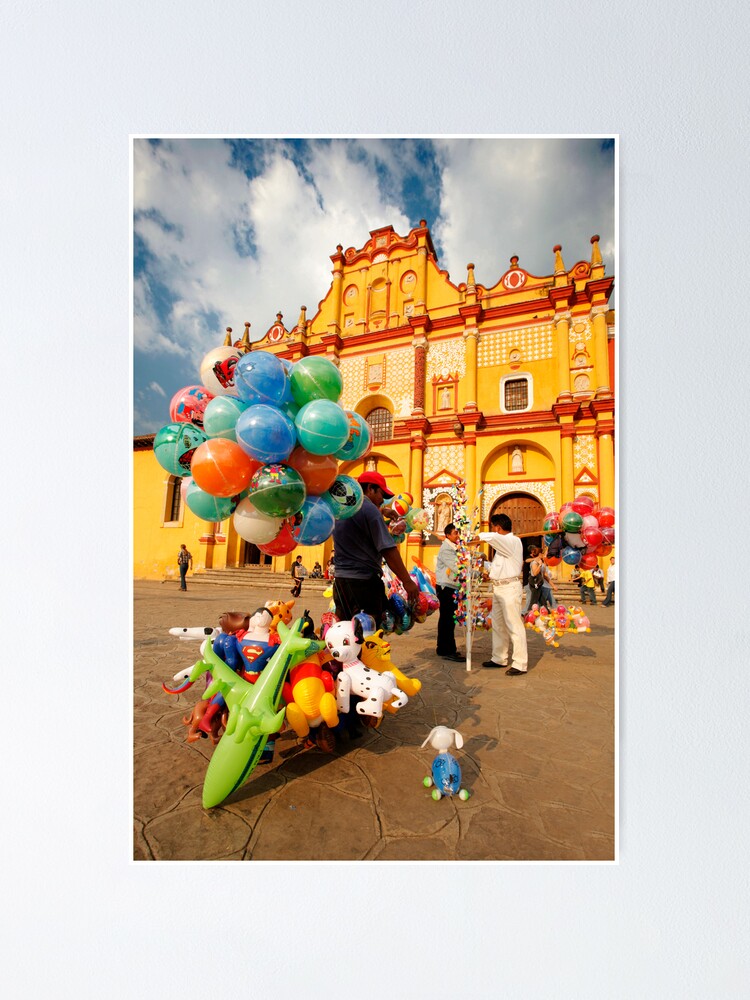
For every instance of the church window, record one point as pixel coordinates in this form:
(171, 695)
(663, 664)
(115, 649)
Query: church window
(174, 499)
(515, 394)
(381, 423)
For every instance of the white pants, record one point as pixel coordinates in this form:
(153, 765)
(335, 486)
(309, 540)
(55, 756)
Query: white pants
(507, 625)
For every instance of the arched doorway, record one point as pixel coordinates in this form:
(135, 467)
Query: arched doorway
(252, 556)
(527, 514)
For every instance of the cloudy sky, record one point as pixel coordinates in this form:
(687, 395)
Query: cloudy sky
(229, 231)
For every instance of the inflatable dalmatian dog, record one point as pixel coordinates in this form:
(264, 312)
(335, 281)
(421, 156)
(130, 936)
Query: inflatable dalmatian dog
(344, 642)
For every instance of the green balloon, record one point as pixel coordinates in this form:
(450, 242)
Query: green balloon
(315, 378)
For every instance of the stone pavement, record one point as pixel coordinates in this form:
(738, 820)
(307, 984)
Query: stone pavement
(538, 755)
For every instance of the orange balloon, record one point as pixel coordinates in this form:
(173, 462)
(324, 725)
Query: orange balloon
(221, 468)
(318, 471)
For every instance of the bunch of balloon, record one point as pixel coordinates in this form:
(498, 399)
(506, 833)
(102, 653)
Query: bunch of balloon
(579, 534)
(471, 610)
(261, 441)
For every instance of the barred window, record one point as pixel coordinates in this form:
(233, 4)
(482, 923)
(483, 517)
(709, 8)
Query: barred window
(381, 423)
(174, 499)
(516, 394)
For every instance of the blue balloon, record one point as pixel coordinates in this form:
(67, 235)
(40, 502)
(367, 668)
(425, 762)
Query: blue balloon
(265, 433)
(317, 522)
(359, 441)
(259, 377)
(571, 556)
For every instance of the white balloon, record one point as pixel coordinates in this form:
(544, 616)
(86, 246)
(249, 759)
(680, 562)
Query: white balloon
(575, 540)
(217, 370)
(254, 526)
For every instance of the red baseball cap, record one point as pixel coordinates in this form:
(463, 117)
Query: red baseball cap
(376, 479)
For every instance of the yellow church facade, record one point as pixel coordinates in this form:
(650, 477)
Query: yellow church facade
(509, 388)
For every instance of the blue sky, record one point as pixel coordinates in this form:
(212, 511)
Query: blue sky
(229, 231)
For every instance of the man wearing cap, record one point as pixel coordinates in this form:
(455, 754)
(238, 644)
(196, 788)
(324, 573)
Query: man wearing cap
(506, 574)
(361, 543)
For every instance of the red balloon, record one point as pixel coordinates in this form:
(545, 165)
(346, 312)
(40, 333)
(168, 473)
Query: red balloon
(606, 517)
(608, 536)
(583, 505)
(604, 550)
(592, 536)
(588, 560)
(553, 560)
(284, 542)
(565, 508)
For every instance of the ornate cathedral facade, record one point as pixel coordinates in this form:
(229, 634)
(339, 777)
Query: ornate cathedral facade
(509, 388)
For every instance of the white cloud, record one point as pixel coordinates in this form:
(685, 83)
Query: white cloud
(193, 207)
(521, 196)
(155, 387)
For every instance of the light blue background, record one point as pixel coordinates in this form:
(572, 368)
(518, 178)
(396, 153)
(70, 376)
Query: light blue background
(671, 919)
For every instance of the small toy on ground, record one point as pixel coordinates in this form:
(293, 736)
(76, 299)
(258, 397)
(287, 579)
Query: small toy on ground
(446, 772)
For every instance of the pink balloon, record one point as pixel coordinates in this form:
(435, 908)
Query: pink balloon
(589, 521)
(608, 536)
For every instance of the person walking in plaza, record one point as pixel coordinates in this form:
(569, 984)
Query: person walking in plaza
(611, 577)
(362, 542)
(506, 574)
(446, 576)
(184, 561)
(587, 587)
(298, 574)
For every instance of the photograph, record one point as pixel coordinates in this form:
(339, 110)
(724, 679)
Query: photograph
(374, 498)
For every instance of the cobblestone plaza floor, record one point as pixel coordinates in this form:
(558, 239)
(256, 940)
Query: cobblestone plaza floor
(538, 755)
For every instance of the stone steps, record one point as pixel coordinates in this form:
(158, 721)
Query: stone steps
(259, 577)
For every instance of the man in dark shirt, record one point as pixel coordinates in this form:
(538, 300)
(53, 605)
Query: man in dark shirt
(361, 543)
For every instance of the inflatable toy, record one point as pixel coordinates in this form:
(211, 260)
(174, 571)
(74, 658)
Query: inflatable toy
(345, 497)
(221, 467)
(253, 710)
(194, 723)
(309, 698)
(360, 438)
(445, 772)
(254, 526)
(322, 427)
(260, 377)
(188, 405)
(376, 654)
(317, 522)
(315, 378)
(283, 543)
(217, 370)
(206, 506)
(174, 446)
(344, 641)
(281, 612)
(221, 415)
(277, 490)
(265, 433)
(401, 503)
(318, 471)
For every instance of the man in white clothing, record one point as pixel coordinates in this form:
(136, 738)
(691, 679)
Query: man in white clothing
(507, 596)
